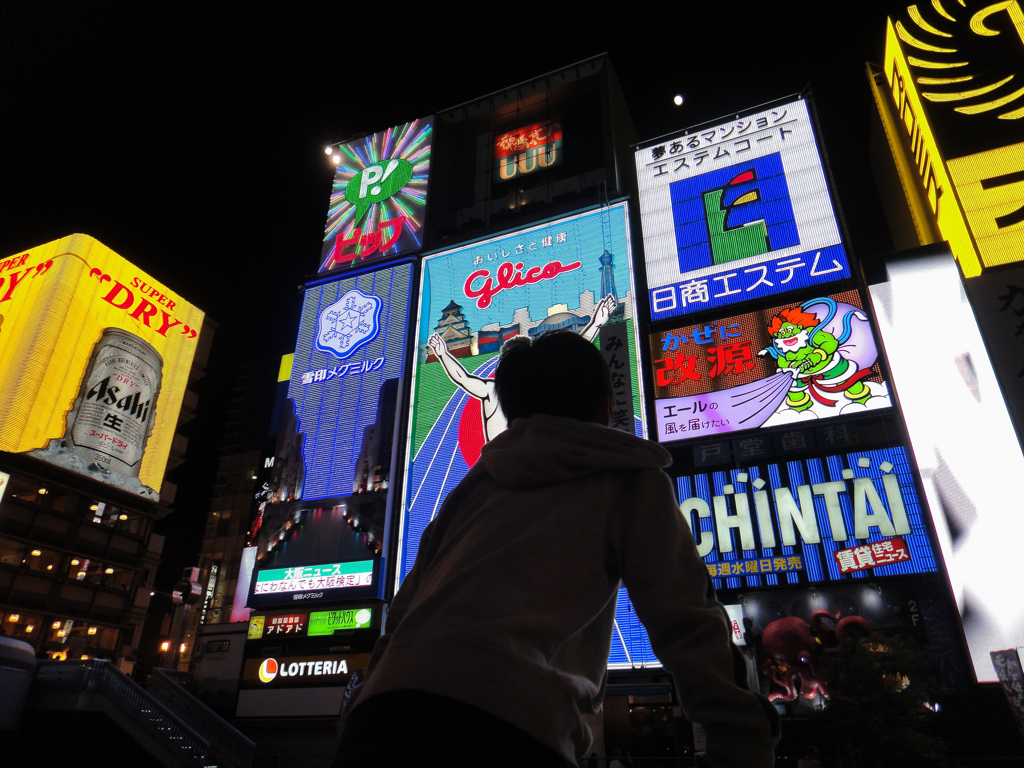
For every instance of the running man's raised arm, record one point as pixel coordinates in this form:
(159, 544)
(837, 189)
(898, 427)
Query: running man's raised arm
(474, 385)
(602, 312)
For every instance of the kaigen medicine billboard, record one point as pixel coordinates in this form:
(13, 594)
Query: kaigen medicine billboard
(94, 360)
(380, 196)
(737, 211)
(794, 363)
(573, 273)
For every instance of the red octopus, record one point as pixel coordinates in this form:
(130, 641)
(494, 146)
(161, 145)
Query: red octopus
(794, 649)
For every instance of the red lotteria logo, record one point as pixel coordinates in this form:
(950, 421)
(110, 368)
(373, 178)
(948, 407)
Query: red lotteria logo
(511, 276)
(268, 670)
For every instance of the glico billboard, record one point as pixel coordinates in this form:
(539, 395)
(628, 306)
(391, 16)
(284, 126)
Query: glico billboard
(800, 362)
(573, 273)
(94, 360)
(737, 211)
(379, 198)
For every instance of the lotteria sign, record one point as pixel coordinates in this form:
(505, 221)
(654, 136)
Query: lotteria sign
(304, 670)
(832, 518)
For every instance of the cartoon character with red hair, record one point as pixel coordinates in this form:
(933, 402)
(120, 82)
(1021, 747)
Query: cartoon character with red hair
(816, 357)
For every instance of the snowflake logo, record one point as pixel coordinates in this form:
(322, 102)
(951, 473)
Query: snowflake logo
(349, 323)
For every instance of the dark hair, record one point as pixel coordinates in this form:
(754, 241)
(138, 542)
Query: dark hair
(560, 373)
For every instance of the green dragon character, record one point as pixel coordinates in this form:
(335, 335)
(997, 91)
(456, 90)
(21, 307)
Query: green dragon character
(814, 357)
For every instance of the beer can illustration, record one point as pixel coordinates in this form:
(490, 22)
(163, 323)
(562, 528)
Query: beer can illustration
(112, 419)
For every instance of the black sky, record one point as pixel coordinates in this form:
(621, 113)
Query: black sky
(190, 138)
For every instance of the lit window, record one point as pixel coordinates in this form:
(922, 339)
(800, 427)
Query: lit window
(36, 552)
(14, 617)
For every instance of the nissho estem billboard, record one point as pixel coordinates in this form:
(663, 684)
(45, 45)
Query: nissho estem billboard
(737, 211)
(94, 360)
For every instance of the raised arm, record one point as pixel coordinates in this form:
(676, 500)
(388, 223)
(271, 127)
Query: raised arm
(602, 312)
(473, 385)
(689, 629)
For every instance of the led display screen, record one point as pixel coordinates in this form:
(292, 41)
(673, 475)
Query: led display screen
(349, 357)
(380, 196)
(963, 440)
(844, 516)
(737, 211)
(94, 360)
(573, 273)
(794, 363)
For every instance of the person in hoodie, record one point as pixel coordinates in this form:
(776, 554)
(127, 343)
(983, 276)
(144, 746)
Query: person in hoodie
(496, 644)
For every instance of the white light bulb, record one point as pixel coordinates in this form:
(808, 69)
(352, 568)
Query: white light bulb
(336, 159)
(678, 100)
(328, 150)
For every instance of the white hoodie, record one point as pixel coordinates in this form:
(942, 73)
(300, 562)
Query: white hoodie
(510, 603)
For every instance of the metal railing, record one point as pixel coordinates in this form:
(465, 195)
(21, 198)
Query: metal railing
(228, 746)
(181, 743)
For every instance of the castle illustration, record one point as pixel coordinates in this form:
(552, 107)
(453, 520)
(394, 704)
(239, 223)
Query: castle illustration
(462, 341)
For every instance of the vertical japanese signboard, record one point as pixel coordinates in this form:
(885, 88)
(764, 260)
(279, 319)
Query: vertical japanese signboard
(379, 198)
(94, 360)
(737, 211)
(573, 273)
(800, 362)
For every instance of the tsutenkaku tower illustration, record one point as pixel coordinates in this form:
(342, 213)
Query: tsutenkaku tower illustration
(608, 275)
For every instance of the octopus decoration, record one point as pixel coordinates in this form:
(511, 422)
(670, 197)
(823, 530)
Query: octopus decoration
(795, 649)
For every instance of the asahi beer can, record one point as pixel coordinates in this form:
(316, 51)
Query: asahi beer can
(113, 416)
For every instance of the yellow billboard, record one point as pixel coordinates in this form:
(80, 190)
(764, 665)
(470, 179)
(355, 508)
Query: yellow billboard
(94, 360)
(927, 158)
(953, 76)
(991, 189)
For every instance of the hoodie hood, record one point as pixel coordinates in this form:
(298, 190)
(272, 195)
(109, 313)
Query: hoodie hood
(543, 450)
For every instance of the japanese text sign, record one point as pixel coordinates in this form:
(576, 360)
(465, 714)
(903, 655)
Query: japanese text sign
(314, 577)
(572, 273)
(824, 519)
(737, 211)
(379, 198)
(329, 622)
(796, 363)
(527, 149)
(349, 356)
(94, 361)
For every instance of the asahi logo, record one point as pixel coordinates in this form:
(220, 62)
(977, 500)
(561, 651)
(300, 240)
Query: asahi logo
(107, 393)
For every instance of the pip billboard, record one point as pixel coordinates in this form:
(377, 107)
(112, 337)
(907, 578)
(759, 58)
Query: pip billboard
(798, 362)
(737, 211)
(94, 360)
(379, 197)
(573, 273)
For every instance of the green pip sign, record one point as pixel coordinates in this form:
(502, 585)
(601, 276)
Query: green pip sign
(329, 622)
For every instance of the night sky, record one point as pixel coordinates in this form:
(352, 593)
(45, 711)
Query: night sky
(192, 142)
